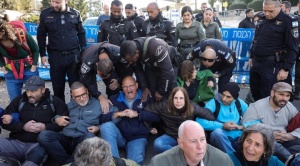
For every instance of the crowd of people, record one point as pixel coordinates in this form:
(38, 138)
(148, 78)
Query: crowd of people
(164, 80)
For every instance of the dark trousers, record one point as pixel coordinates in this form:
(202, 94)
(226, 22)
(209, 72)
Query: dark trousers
(59, 146)
(284, 150)
(60, 66)
(297, 73)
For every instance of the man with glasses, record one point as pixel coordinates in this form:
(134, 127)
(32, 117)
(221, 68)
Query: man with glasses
(103, 59)
(130, 133)
(217, 57)
(66, 38)
(83, 121)
(199, 17)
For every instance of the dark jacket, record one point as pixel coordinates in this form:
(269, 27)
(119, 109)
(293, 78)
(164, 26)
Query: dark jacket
(138, 22)
(161, 28)
(226, 60)
(115, 31)
(171, 121)
(82, 117)
(61, 37)
(156, 58)
(216, 20)
(42, 113)
(90, 57)
(199, 17)
(247, 23)
(134, 128)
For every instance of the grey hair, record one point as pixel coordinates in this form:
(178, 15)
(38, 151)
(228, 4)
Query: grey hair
(76, 85)
(105, 66)
(267, 134)
(183, 125)
(93, 152)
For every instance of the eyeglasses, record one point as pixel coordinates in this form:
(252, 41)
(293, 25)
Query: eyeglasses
(128, 87)
(205, 59)
(84, 95)
(62, 21)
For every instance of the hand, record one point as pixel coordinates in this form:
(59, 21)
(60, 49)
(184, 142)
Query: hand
(33, 68)
(104, 102)
(6, 119)
(146, 93)
(230, 126)
(153, 131)
(158, 97)
(282, 75)
(29, 126)
(131, 113)
(216, 75)
(250, 63)
(93, 129)
(240, 127)
(283, 137)
(39, 127)
(114, 84)
(3, 69)
(119, 114)
(210, 84)
(62, 120)
(44, 61)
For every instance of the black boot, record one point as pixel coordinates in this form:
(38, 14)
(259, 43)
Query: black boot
(297, 94)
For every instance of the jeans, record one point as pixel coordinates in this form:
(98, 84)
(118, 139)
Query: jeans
(284, 150)
(59, 146)
(29, 153)
(135, 149)
(221, 141)
(163, 143)
(14, 86)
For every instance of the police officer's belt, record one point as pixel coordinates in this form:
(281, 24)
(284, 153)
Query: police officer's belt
(186, 45)
(64, 53)
(265, 58)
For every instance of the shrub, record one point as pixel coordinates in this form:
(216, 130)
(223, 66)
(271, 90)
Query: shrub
(256, 5)
(237, 6)
(33, 18)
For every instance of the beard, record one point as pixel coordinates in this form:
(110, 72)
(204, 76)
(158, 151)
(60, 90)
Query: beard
(279, 103)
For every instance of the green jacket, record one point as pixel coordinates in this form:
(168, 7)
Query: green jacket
(204, 93)
(212, 30)
(22, 53)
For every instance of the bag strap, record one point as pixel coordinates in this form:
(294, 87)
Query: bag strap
(50, 100)
(237, 104)
(146, 46)
(217, 110)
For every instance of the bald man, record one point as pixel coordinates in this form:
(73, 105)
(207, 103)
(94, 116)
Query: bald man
(192, 149)
(216, 56)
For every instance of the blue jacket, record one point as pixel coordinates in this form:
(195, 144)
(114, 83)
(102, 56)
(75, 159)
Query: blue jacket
(227, 113)
(134, 128)
(273, 161)
(82, 117)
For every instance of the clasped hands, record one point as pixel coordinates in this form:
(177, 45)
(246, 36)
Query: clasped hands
(128, 113)
(34, 127)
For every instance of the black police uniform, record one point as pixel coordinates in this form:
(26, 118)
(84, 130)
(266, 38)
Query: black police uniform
(199, 17)
(274, 47)
(138, 22)
(216, 19)
(66, 37)
(158, 73)
(224, 64)
(161, 28)
(117, 30)
(88, 68)
(297, 65)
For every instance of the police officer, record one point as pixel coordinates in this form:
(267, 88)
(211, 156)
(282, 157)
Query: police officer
(274, 49)
(66, 37)
(217, 57)
(117, 29)
(97, 55)
(199, 17)
(154, 54)
(158, 26)
(133, 16)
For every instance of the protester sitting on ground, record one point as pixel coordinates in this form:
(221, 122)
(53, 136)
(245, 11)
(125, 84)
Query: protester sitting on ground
(255, 147)
(212, 29)
(130, 133)
(36, 107)
(96, 152)
(83, 121)
(189, 32)
(228, 110)
(293, 160)
(198, 84)
(276, 111)
(19, 57)
(173, 112)
(192, 149)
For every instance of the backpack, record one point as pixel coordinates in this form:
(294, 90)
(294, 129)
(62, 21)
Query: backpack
(237, 104)
(50, 100)
(21, 34)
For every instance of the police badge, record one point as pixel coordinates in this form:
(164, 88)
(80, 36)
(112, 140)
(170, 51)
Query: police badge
(295, 32)
(84, 68)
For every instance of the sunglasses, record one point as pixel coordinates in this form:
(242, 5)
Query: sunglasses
(205, 59)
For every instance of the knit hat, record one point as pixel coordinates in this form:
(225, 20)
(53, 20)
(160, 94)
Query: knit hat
(233, 88)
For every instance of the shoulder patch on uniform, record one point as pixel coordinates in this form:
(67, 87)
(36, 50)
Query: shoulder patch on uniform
(159, 49)
(291, 16)
(295, 24)
(84, 68)
(295, 32)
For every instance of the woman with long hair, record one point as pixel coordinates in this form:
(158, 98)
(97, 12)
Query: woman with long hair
(177, 109)
(189, 32)
(19, 55)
